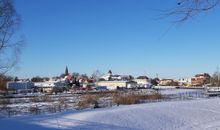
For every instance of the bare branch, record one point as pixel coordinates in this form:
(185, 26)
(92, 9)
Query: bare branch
(187, 9)
(9, 49)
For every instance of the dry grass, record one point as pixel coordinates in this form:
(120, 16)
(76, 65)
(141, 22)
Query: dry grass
(153, 96)
(34, 110)
(5, 101)
(128, 99)
(52, 108)
(35, 99)
(4, 104)
(62, 103)
(87, 101)
(125, 99)
(45, 98)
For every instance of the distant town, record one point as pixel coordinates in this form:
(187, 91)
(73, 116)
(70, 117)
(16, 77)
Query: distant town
(100, 82)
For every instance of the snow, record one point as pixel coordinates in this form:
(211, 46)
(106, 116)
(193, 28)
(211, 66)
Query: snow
(190, 114)
(26, 95)
(179, 91)
(164, 87)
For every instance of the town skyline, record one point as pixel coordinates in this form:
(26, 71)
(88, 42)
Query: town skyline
(100, 74)
(119, 35)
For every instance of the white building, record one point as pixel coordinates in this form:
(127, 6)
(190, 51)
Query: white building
(143, 82)
(112, 85)
(184, 81)
(105, 77)
(48, 86)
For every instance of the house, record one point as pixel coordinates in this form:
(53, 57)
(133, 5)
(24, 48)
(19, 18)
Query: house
(184, 82)
(112, 85)
(121, 77)
(143, 82)
(131, 84)
(111, 77)
(168, 82)
(107, 76)
(200, 79)
(50, 86)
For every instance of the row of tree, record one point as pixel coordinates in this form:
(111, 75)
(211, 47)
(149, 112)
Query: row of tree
(3, 81)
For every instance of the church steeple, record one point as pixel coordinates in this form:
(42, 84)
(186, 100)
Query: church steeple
(110, 72)
(66, 71)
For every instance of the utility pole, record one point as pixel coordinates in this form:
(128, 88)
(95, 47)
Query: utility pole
(218, 75)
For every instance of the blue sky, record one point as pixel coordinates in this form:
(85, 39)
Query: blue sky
(121, 35)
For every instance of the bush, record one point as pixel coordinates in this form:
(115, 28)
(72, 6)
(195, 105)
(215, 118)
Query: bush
(153, 96)
(46, 98)
(35, 99)
(34, 110)
(125, 99)
(4, 104)
(52, 109)
(82, 105)
(134, 98)
(5, 101)
(87, 101)
(61, 103)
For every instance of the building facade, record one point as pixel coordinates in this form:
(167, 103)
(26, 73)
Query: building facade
(143, 82)
(184, 82)
(13, 85)
(200, 79)
(112, 85)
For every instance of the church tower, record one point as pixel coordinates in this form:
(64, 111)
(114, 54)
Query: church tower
(66, 71)
(110, 72)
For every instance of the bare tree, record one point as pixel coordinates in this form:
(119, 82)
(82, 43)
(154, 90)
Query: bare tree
(187, 9)
(9, 47)
(215, 79)
(96, 75)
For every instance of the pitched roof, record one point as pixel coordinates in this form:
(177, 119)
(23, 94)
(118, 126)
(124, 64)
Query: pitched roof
(142, 77)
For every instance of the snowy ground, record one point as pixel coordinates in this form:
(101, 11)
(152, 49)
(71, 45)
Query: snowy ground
(203, 114)
(41, 104)
(179, 91)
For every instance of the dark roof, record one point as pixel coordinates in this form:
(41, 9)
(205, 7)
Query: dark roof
(204, 74)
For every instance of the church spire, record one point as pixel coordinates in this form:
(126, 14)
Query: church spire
(66, 71)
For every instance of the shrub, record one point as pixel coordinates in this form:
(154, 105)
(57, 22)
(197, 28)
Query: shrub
(125, 99)
(34, 110)
(153, 96)
(5, 101)
(52, 109)
(4, 104)
(35, 99)
(128, 99)
(82, 105)
(46, 98)
(87, 101)
(61, 103)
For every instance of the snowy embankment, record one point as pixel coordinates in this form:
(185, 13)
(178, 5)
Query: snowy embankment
(193, 114)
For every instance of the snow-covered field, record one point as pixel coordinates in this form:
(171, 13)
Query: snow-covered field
(41, 104)
(179, 91)
(184, 115)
